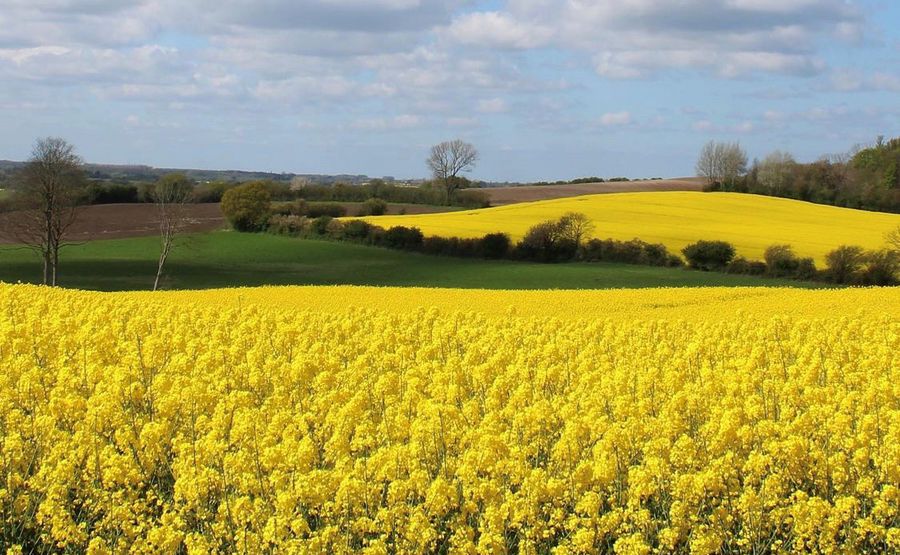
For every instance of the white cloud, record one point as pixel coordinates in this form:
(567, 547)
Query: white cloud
(636, 38)
(498, 30)
(492, 106)
(405, 121)
(615, 119)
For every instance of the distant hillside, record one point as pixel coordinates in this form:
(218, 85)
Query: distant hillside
(142, 173)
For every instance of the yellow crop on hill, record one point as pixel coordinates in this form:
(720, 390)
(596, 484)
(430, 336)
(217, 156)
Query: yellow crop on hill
(193, 423)
(750, 222)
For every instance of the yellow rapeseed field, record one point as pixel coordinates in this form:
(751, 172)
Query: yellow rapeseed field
(705, 304)
(676, 219)
(430, 421)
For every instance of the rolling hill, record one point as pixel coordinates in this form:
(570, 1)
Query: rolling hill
(676, 219)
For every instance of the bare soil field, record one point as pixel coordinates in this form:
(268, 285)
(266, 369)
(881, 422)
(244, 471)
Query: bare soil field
(400, 208)
(511, 195)
(118, 221)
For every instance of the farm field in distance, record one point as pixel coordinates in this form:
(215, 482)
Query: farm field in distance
(113, 221)
(230, 259)
(500, 196)
(750, 222)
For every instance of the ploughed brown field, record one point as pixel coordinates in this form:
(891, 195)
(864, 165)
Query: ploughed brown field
(118, 221)
(511, 195)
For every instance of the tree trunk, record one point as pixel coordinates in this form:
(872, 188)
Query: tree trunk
(163, 255)
(46, 257)
(159, 269)
(55, 264)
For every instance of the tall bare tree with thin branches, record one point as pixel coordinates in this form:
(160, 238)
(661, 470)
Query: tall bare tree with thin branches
(447, 160)
(46, 201)
(893, 240)
(170, 194)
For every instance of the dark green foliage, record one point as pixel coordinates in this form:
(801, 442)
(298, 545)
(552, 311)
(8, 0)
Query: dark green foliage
(881, 268)
(544, 243)
(404, 238)
(781, 261)
(319, 225)
(211, 191)
(373, 207)
(317, 209)
(450, 246)
(709, 255)
(287, 224)
(110, 193)
(247, 207)
(471, 198)
(806, 269)
(494, 245)
(740, 265)
(357, 230)
(869, 181)
(634, 251)
(844, 264)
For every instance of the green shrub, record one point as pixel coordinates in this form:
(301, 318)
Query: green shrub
(319, 225)
(332, 209)
(844, 264)
(881, 268)
(709, 255)
(544, 243)
(471, 198)
(740, 265)
(405, 238)
(494, 245)
(781, 261)
(247, 207)
(286, 224)
(358, 230)
(373, 207)
(806, 269)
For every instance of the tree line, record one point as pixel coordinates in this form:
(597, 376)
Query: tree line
(867, 178)
(51, 186)
(570, 239)
(48, 192)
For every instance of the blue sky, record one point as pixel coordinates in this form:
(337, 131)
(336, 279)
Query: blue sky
(545, 89)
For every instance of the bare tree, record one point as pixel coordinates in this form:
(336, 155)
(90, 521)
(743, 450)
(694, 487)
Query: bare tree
(893, 240)
(170, 194)
(447, 160)
(576, 227)
(709, 164)
(775, 171)
(45, 204)
(722, 163)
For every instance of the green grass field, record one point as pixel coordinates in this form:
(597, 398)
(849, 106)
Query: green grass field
(229, 259)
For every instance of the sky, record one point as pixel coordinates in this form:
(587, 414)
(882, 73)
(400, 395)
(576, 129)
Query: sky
(544, 89)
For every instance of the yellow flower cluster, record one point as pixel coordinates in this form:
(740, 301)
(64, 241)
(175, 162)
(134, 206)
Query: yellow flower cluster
(749, 222)
(148, 424)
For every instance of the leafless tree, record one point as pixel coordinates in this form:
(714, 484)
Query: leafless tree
(722, 162)
(709, 164)
(45, 204)
(171, 195)
(775, 170)
(447, 160)
(893, 240)
(575, 227)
